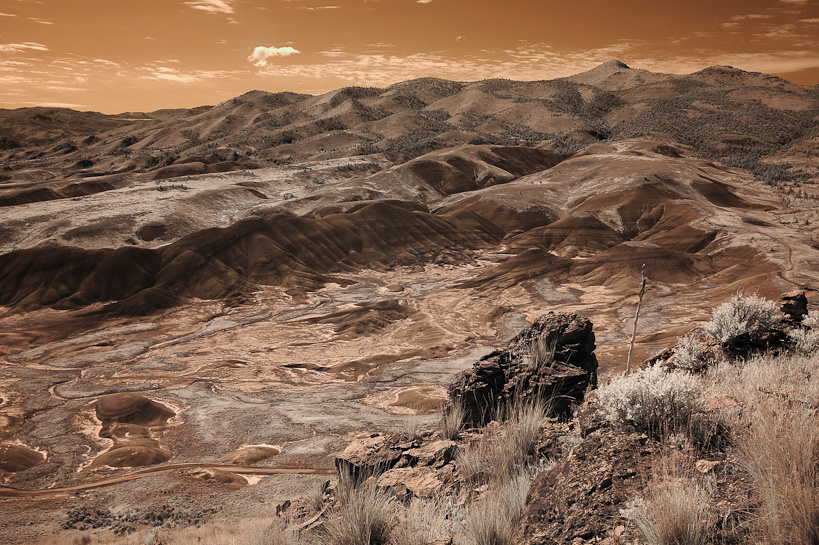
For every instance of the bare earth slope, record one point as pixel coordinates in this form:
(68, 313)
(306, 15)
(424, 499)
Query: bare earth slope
(257, 282)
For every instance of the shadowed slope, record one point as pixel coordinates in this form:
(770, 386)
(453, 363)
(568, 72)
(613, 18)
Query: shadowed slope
(296, 253)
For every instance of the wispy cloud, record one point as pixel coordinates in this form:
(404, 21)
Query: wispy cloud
(155, 71)
(7, 14)
(22, 46)
(810, 21)
(751, 16)
(213, 6)
(261, 54)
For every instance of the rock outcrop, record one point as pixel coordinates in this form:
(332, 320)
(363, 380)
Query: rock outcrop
(407, 467)
(552, 360)
(579, 499)
(794, 305)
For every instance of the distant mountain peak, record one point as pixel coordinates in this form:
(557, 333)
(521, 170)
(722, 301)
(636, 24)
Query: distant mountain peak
(614, 63)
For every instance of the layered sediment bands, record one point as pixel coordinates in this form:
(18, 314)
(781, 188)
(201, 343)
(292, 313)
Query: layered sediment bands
(469, 168)
(294, 252)
(570, 236)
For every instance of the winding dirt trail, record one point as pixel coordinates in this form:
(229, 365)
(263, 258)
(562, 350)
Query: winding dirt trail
(8, 492)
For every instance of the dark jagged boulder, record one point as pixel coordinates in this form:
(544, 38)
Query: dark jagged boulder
(794, 305)
(552, 360)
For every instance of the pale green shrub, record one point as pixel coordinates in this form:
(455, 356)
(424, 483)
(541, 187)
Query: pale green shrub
(690, 353)
(742, 314)
(654, 400)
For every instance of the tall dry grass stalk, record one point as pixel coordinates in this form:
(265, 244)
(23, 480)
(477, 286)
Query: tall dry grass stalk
(777, 439)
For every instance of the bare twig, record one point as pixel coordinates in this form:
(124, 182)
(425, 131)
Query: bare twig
(636, 317)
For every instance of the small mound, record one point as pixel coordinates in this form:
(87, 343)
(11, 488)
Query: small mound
(15, 458)
(223, 477)
(246, 456)
(128, 408)
(421, 399)
(132, 456)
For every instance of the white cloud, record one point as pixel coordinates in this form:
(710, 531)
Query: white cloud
(423, 1)
(261, 54)
(154, 71)
(7, 14)
(213, 6)
(22, 46)
(810, 21)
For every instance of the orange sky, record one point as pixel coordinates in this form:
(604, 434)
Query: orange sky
(140, 55)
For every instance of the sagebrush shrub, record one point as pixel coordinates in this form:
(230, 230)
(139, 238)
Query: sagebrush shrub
(691, 354)
(654, 400)
(742, 314)
(805, 342)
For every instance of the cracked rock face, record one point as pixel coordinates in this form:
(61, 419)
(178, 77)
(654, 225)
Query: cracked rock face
(580, 496)
(552, 360)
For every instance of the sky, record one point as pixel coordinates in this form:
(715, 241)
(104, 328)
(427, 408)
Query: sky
(143, 55)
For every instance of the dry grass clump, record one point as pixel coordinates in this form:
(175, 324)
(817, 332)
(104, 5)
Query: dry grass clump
(541, 352)
(742, 314)
(452, 420)
(363, 514)
(506, 449)
(492, 519)
(655, 401)
(413, 425)
(778, 441)
(423, 522)
(672, 512)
